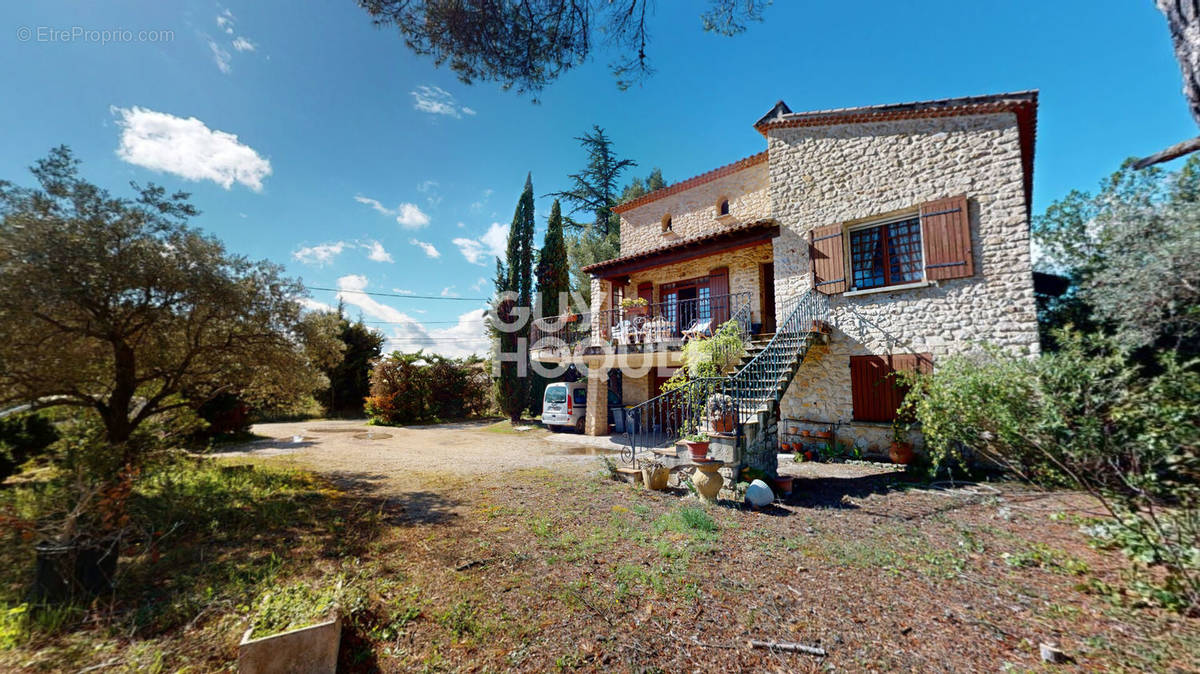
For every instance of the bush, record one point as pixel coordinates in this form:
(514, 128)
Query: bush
(413, 387)
(23, 437)
(1083, 417)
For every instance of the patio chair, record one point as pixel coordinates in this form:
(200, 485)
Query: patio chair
(624, 333)
(699, 328)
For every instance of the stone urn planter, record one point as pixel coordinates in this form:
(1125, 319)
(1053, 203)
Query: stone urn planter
(783, 485)
(708, 480)
(655, 477)
(312, 649)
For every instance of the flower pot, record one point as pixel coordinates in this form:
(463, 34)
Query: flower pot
(655, 478)
(824, 435)
(783, 485)
(65, 571)
(637, 311)
(901, 452)
(722, 423)
(699, 450)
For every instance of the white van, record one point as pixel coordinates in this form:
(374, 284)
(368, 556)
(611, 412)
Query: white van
(564, 405)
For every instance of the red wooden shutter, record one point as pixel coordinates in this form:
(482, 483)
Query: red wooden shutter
(646, 291)
(828, 260)
(946, 236)
(718, 292)
(875, 390)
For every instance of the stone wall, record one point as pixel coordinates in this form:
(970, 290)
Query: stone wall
(694, 212)
(844, 173)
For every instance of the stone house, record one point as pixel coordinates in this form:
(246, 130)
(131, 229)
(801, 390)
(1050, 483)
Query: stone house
(908, 222)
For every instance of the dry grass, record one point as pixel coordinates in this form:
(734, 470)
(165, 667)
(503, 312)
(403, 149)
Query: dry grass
(541, 570)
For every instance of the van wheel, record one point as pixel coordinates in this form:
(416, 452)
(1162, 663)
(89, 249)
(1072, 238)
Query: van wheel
(552, 428)
(579, 426)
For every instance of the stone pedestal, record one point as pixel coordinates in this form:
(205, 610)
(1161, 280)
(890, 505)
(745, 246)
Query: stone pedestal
(708, 480)
(596, 419)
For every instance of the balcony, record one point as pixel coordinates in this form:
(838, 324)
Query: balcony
(659, 327)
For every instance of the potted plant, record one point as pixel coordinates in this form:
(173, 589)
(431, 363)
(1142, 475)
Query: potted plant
(720, 412)
(296, 629)
(655, 475)
(783, 485)
(697, 444)
(901, 450)
(635, 306)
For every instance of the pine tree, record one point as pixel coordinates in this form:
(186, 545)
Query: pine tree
(515, 275)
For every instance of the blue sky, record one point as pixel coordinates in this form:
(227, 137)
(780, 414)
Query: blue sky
(310, 138)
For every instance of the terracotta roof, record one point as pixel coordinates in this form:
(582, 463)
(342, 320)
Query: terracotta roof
(710, 176)
(1022, 103)
(723, 239)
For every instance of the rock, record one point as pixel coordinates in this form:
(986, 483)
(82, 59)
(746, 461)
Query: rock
(1052, 653)
(758, 494)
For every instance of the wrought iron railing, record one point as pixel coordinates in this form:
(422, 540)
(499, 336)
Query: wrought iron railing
(664, 419)
(659, 323)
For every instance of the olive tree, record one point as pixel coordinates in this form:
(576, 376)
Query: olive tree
(117, 305)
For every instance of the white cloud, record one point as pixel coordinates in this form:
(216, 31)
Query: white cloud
(480, 284)
(313, 305)
(467, 336)
(430, 189)
(448, 291)
(403, 291)
(225, 21)
(478, 206)
(242, 44)
(493, 243)
(319, 255)
(376, 252)
(437, 101)
(221, 56)
(430, 251)
(188, 149)
(410, 216)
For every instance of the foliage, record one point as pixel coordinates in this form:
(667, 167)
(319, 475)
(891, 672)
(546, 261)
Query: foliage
(553, 267)
(1082, 416)
(349, 373)
(529, 44)
(414, 387)
(23, 437)
(709, 356)
(631, 302)
(117, 305)
(294, 606)
(514, 285)
(1132, 252)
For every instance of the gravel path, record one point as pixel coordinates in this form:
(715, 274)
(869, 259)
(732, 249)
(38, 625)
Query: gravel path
(398, 460)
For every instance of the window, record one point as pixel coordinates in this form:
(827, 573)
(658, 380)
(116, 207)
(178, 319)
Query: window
(579, 396)
(723, 207)
(874, 387)
(887, 254)
(666, 223)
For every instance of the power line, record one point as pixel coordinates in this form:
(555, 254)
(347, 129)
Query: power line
(411, 297)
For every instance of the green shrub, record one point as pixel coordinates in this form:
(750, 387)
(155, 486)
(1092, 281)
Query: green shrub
(414, 387)
(1085, 417)
(23, 437)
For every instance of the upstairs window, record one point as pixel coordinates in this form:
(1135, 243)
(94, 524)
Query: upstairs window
(723, 207)
(886, 254)
(666, 223)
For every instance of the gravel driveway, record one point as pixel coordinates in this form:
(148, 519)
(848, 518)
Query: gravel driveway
(381, 458)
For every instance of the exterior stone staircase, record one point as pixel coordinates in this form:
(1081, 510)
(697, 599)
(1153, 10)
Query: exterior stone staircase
(757, 386)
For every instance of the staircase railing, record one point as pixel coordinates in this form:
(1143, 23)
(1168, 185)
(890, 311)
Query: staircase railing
(664, 419)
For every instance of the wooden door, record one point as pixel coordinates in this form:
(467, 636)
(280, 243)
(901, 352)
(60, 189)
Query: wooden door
(767, 293)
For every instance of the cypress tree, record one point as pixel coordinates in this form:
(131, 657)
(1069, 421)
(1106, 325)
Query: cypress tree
(515, 275)
(553, 270)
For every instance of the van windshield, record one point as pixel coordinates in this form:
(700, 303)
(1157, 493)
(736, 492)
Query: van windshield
(556, 394)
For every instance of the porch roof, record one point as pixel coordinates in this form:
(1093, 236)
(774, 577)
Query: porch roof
(750, 233)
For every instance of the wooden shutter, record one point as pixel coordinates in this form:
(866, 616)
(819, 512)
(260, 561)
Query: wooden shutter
(946, 237)
(874, 389)
(828, 260)
(646, 291)
(718, 293)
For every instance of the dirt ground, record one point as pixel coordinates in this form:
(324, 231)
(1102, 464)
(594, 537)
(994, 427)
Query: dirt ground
(512, 551)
